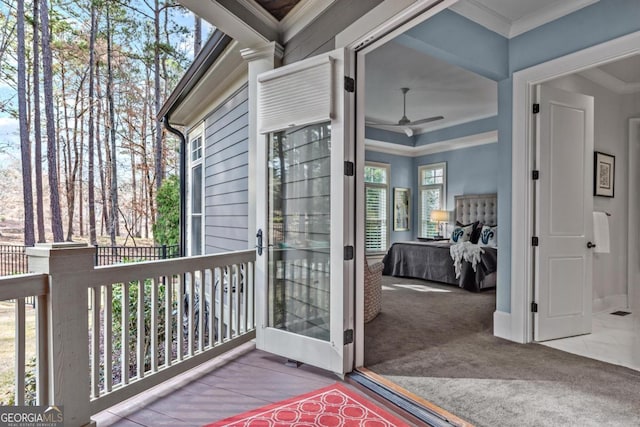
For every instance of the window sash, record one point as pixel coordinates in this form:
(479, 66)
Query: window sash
(432, 196)
(376, 208)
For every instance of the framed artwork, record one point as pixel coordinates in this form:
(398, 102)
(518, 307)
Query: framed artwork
(401, 209)
(604, 174)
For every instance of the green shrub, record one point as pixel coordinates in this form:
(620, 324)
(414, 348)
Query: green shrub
(166, 230)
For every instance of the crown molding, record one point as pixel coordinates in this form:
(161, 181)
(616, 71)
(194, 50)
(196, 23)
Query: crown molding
(610, 82)
(498, 23)
(547, 14)
(433, 148)
(484, 16)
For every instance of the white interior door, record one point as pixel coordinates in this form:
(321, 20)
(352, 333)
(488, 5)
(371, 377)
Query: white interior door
(304, 296)
(564, 214)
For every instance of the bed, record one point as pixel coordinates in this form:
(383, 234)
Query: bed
(432, 260)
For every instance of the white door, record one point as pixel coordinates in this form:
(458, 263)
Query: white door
(304, 271)
(564, 214)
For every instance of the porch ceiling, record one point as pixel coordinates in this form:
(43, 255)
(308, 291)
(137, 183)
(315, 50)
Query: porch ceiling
(278, 8)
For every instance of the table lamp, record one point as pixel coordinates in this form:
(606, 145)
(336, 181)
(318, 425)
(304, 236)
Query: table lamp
(439, 216)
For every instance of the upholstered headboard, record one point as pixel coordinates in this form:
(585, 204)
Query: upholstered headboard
(477, 207)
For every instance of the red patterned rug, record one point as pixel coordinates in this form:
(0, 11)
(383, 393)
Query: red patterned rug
(335, 405)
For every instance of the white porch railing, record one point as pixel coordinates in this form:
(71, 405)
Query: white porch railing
(146, 322)
(16, 289)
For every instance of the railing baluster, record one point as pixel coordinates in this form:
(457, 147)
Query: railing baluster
(230, 293)
(140, 329)
(154, 325)
(168, 323)
(237, 280)
(180, 319)
(212, 307)
(245, 298)
(201, 311)
(107, 335)
(124, 362)
(95, 342)
(220, 303)
(190, 310)
(42, 346)
(250, 289)
(20, 350)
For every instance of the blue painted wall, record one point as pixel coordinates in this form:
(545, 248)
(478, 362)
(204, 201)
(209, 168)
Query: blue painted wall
(472, 170)
(402, 175)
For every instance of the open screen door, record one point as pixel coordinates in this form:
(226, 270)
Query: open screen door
(304, 266)
(564, 214)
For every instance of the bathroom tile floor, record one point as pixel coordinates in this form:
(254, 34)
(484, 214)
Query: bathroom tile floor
(614, 339)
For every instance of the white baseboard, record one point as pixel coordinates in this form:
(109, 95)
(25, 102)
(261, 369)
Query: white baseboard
(502, 325)
(610, 302)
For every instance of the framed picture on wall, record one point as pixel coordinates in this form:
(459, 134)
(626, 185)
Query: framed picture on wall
(604, 174)
(401, 209)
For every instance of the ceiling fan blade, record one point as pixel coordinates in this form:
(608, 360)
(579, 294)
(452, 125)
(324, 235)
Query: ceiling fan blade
(379, 123)
(427, 120)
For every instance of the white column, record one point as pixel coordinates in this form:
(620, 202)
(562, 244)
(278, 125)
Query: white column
(262, 58)
(68, 265)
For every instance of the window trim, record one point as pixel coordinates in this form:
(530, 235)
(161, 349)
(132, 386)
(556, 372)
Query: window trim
(197, 132)
(386, 186)
(421, 187)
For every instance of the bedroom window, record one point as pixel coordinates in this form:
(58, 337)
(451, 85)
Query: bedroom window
(432, 181)
(196, 197)
(376, 185)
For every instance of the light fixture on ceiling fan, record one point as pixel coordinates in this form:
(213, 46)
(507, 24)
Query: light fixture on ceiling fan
(404, 122)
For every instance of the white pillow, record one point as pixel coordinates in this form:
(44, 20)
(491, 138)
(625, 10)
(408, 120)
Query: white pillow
(489, 236)
(461, 234)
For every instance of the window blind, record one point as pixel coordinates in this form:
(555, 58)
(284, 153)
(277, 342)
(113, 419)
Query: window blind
(295, 96)
(376, 219)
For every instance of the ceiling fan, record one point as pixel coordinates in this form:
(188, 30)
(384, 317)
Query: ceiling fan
(404, 122)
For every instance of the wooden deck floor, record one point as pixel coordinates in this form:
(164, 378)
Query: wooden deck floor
(237, 382)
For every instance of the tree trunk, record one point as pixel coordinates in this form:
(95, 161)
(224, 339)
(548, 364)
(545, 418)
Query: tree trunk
(114, 228)
(25, 144)
(56, 217)
(197, 36)
(91, 171)
(156, 77)
(37, 126)
(101, 164)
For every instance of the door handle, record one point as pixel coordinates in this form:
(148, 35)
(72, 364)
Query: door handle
(591, 245)
(259, 242)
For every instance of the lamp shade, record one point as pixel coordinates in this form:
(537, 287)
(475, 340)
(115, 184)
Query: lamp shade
(439, 216)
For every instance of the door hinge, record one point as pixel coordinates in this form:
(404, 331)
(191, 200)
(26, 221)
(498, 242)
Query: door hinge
(535, 174)
(348, 336)
(534, 241)
(534, 307)
(349, 84)
(536, 108)
(348, 253)
(349, 168)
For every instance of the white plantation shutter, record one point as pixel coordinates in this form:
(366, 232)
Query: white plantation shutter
(376, 219)
(296, 96)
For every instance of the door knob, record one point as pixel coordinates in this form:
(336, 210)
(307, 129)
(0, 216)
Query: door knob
(591, 245)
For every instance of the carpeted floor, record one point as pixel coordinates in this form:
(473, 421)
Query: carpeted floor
(436, 341)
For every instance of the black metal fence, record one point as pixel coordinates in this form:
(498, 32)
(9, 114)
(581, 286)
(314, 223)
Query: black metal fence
(13, 259)
(107, 255)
